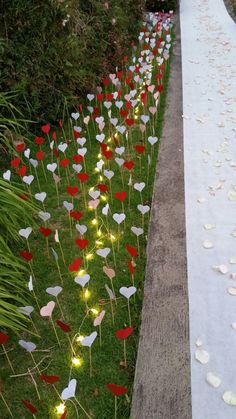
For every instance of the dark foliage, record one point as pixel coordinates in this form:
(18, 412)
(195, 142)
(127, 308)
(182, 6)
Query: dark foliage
(161, 5)
(52, 49)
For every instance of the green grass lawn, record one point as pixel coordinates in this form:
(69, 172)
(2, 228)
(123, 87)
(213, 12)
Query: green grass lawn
(107, 358)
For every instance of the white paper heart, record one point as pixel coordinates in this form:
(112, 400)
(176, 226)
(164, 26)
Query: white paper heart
(143, 208)
(68, 206)
(108, 174)
(119, 161)
(27, 310)
(114, 121)
(28, 346)
(28, 179)
(94, 194)
(87, 119)
(100, 137)
(46, 311)
(137, 231)
(25, 232)
(81, 141)
(105, 209)
(77, 167)
(152, 140)
(27, 153)
(55, 291)
(90, 97)
(82, 280)
(110, 293)
(81, 228)
(144, 119)
(127, 292)
(40, 196)
(7, 175)
(121, 129)
(34, 163)
(69, 391)
(119, 104)
(119, 218)
(52, 167)
(62, 147)
(75, 115)
(45, 216)
(82, 151)
(30, 284)
(120, 150)
(103, 252)
(88, 340)
(139, 186)
(99, 318)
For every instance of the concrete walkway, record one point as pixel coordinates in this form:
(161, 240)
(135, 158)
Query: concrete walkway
(163, 388)
(162, 381)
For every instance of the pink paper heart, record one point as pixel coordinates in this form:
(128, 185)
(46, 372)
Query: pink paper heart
(47, 310)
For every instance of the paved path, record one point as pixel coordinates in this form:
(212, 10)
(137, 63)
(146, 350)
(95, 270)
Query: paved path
(208, 38)
(163, 389)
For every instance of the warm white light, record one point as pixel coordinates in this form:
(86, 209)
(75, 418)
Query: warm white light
(80, 338)
(89, 256)
(86, 294)
(94, 311)
(94, 221)
(76, 361)
(60, 408)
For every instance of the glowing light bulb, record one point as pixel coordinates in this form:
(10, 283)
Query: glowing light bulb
(76, 361)
(94, 311)
(80, 338)
(60, 408)
(112, 237)
(94, 221)
(99, 155)
(81, 272)
(103, 197)
(86, 294)
(99, 242)
(96, 169)
(89, 256)
(99, 233)
(100, 178)
(109, 140)
(135, 116)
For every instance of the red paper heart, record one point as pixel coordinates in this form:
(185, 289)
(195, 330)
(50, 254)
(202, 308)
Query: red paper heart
(40, 155)
(45, 231)
(144, 98)
(121, 196)
(102, 187)
(108, 154)
(29, 406)
(76, 135)
(129, 122)
(129, 164)
(39, 140)
(73, 267)
(76, 215)
(22, 171)
(160, 88)
(140, 148)
(72, 190)
(15, 162)
(132, 251)
(128, 105)
(3, 338)
(45, 128)
(100, 97)
(65, 327)
(82, 243)
(78, 159)
(109, 96)
(123, 113)
(124, 333)
(64, 162)
(60, 123)
(103, 147)
(64, 415)
(117, 390)
(119, 74)
(54, 136)
(50, 379)
(28, 256)
(106, 82)
(56, 152)
(83, 177)
(20, 147)
(131, 267)
(128, 80)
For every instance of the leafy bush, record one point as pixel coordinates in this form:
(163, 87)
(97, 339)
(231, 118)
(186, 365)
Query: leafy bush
(13, 288)
(52, 49)
(161, 5)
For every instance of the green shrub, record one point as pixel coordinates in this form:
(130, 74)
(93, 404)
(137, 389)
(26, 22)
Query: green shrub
(52, 49)
(161, 5)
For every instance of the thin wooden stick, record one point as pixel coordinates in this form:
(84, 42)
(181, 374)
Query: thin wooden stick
(8, 408)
